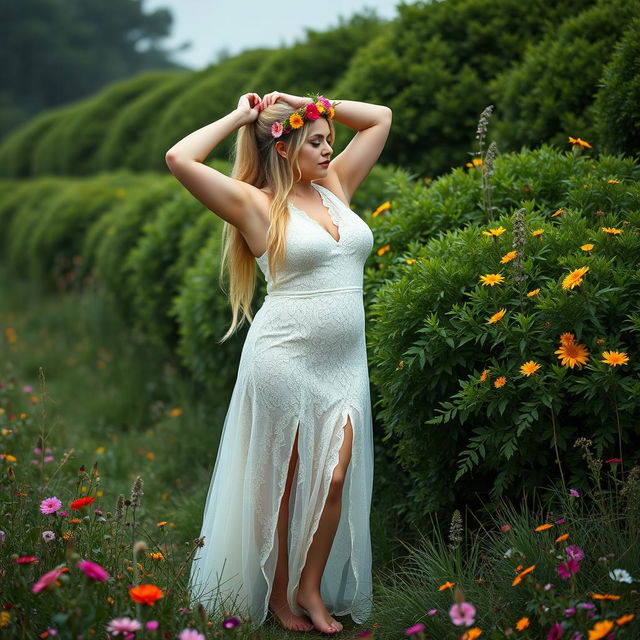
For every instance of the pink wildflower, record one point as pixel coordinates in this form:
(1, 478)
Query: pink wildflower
(567, 569)
(190, 634)
(93, 570)
(230, 623)
(574, 493)
(48, 536)
(462, 614)
(575, 552)
(367, 633)
(123, 625)
(416, 628)
(46, 580)
(27, 388)
(613, 460)
(432, 612)
(27, 560)
(152, 625)
(556, 632)
(50, 505)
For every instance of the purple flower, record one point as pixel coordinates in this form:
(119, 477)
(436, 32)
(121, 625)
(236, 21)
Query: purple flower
(93, 570)
(556, 632)
(577, 636)
(230, 623)
(561, 521)
(432, 612)
(574, 492)
(575, 552)
(50, 505)
(152, 625)
(567, 569)
(367, 633)
(416, 628)
(589, 606)
(548, 586)
(48, 536)
(3, 535)
(569, 612)
(463, 613)
(49, 458)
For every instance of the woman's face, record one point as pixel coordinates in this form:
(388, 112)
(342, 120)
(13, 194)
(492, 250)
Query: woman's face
(316, 151)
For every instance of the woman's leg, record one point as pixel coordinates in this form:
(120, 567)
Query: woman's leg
(309, 588)
(278, 599)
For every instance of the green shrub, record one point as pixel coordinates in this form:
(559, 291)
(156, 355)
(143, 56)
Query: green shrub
(550, 94)
(616, 106)
(430, 340)
(432, 66)
(127, 141)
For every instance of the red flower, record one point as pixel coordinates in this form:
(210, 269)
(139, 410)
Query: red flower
(146, 594)
(27, 560)
(76, 505)
(613, 460)
(311, 111)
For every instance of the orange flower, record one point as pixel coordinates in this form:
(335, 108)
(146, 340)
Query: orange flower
(472, 634)
(383, 207)
(543, 527)
(574, 278)
(562, 538)
(537, 232)
(567, 338)
(494, 232)
(446, 585)
(491, 279)
(576, 142)
(75, 520)
(383, 250)
(483, 375)
(522, 624)
(600, 629)
(625, 619)
(604, 596)
(614, 358)
(296, 121)
(508, 257)
(174, 413)
(496, 317)
(529, 368)
(161, 524)
(572, 354)
(535, 292)
(587, 247)
(612, 231)
(146, 594)
(500, 382)
(559, 212)
(518, 579)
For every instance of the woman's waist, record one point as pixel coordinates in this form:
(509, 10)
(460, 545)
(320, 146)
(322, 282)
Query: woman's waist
(303, 292)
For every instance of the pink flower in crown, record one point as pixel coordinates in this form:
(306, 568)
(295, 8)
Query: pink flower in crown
(311, 111)
(277, 129)
(325, 103)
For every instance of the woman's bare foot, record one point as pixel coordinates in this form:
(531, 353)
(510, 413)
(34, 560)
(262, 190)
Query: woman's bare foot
(287, 619)
(315, 609)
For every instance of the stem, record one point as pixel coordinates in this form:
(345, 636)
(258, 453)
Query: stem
(555, 446)
(615, 405)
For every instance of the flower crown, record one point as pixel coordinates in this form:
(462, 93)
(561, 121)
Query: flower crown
(318, 107)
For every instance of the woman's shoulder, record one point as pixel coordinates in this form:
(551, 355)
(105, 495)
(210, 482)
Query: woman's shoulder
(332, 184)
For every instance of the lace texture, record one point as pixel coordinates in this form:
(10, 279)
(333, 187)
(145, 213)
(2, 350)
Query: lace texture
(303, 369)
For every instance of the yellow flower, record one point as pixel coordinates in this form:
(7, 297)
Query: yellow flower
(587, 247)
(508, 257)
(496, 317)
(483, 375)
(522, 624)
(446, 585)
(535, 292)
(529, 368)
(537, 232)
(559, 212)
(9, 458)
(383, 250)
(476, 162)
(410, 261)
(612, 231)
(600, 629)
(5, 618)
(572, 354)
(174, 413)
(543, 527)
(614, 358)
(574, 278)
(576, 142)
(296, 121)
(625, 619)
(400, 365)
(494, 232)
(613, 181)
(500, 382)
(100, 450)
(491, 279)
(383, 207)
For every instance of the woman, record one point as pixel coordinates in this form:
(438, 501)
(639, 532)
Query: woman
(286, 521)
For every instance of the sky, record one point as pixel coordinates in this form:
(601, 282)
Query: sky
(236, 25)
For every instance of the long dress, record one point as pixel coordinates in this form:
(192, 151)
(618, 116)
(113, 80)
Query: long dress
(303, 364)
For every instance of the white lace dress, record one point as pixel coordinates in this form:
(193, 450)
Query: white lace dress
(303, 363)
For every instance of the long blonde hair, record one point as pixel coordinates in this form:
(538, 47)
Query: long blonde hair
(257, 162)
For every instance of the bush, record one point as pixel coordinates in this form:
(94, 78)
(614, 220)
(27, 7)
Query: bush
(616, 106)
(430, 341)
(550, 94)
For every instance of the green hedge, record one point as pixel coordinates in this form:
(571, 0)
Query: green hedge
(616, 106)
(550, 94)
(429, 339)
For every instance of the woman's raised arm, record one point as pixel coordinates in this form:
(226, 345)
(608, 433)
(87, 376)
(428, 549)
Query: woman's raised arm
(228, 198)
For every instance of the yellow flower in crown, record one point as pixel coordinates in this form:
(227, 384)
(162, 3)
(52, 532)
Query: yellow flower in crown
(319, 107)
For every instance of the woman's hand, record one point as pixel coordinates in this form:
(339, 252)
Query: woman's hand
(250, 106)
(293, 101)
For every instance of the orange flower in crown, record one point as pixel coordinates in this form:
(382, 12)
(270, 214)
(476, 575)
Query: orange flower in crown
(319, 107)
